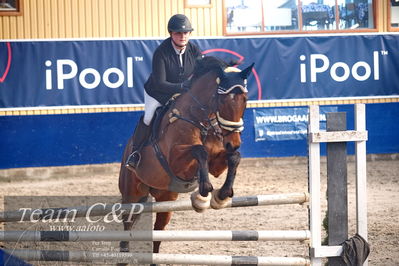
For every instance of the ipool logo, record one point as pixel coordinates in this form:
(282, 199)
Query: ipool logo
(339, 71)
(88, 78)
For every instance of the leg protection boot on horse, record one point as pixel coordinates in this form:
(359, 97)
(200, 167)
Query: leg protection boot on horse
(140, 136)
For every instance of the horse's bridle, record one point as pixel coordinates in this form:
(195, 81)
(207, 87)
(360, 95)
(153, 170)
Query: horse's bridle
(230, 126)
(206, 124)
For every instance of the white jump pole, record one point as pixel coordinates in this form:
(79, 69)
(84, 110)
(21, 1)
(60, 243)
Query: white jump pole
(153, 258)
(165, 206)
(78, 236)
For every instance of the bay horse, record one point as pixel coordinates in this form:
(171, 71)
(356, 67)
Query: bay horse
(198, 134)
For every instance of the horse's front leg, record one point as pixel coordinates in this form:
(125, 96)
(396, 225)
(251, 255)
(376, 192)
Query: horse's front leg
(201, 198)
(132, 191)
(201, 155)
(221, 197)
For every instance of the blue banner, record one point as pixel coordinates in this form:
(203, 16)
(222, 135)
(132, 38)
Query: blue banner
(285, 123)
(57, 73)
(104, 72)
(73, 139)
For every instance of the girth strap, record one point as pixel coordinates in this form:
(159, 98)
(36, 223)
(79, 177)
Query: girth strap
(177, 184)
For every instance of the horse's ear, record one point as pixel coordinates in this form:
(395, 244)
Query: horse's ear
(221, 73)
(245, 73)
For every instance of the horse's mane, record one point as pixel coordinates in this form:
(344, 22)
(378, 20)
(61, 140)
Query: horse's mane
(208, 64)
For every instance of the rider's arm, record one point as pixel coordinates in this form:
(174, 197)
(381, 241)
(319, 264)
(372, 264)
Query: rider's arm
(159, 76)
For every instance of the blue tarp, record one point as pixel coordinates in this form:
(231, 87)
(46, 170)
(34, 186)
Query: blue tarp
(72, 139)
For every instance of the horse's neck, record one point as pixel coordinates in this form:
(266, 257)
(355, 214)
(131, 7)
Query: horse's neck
(204, 90)
(196, 104)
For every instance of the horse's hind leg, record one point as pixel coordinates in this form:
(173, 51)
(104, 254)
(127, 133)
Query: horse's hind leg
(219, 198)
(133, 191)
(162, 218)
(129, 220)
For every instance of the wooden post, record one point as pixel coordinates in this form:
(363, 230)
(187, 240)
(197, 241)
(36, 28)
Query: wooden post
(337, 192)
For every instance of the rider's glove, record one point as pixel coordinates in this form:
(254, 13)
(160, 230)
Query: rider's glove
(186, 85)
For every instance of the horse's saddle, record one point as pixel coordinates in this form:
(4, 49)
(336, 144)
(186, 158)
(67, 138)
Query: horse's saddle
(177, 184)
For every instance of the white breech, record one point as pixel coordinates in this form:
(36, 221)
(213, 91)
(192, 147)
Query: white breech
(150, 105)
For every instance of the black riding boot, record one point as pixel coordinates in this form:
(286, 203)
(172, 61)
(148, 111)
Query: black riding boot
(140, 136)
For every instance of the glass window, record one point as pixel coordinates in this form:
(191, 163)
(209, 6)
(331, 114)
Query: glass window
(244, 16)
(280, 15)
(7, 5)
(394, 12)
(267, 16)
(10, 7)
(318, 15)
(355, 14)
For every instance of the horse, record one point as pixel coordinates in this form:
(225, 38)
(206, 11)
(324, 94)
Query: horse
(199, 133)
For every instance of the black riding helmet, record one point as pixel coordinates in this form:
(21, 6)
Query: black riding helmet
(179, 23)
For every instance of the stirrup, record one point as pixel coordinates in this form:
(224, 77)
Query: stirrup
(133, 160)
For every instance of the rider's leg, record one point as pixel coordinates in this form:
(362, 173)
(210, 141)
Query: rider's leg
(142, 131)
(150, 106)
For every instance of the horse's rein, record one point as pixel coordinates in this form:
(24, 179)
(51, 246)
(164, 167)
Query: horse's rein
(218, 120)
(203, 124)
(201, 106)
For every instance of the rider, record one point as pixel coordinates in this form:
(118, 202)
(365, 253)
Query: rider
(172, 65)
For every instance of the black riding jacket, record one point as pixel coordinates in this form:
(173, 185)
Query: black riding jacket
(167, 74)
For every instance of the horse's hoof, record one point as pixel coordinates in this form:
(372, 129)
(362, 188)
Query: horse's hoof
(216, 202)
(199, 202)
